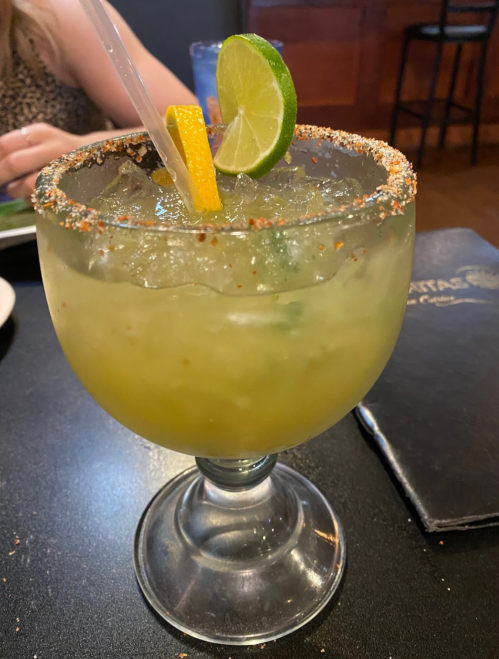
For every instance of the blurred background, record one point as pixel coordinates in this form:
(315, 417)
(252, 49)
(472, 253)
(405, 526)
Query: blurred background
(345, 57)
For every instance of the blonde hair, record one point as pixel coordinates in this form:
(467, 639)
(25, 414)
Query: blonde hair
(23, 24)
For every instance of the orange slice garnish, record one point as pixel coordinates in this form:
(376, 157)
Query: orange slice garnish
(188, 130)
(162, 177)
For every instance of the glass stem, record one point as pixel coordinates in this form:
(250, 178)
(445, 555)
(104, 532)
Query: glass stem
(236, 475)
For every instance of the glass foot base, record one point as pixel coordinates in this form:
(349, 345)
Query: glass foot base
(239, 567)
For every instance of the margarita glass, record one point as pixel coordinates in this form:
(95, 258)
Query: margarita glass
(231, 343)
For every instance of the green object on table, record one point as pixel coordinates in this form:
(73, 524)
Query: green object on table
(16, 214)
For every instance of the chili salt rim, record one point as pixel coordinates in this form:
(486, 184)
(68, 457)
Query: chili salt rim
(388, 199)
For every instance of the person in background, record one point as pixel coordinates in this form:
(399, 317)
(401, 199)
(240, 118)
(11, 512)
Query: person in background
(58, 89)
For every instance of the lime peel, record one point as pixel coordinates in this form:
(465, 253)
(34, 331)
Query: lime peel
(257, 102)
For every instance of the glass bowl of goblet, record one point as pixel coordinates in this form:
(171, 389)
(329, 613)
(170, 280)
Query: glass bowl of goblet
(231, 343)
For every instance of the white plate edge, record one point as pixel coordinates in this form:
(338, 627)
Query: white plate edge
(13, 233)
(6, 307)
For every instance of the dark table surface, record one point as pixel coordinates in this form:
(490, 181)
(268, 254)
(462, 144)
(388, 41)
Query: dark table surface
(73, 484)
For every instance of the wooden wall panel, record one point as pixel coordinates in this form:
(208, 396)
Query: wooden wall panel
(324, 73)
(344, 57)
(322, 49)
(308, 24)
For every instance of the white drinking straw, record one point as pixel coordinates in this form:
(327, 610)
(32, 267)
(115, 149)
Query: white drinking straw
(149, 116)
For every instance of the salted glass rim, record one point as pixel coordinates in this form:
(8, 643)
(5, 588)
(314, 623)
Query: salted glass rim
(388, 199)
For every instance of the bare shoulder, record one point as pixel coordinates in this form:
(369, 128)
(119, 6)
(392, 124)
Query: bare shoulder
(84, 63)
(66, 23)
(67, 13)
(76, 40)
(71, 24)
(72, 20)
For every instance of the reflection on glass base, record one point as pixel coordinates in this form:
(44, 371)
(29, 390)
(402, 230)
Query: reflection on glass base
(239, 567)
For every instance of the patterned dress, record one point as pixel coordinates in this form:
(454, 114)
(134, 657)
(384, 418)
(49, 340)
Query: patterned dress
(26, 98)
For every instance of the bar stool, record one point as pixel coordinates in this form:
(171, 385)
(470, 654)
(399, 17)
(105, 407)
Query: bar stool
(441, 33)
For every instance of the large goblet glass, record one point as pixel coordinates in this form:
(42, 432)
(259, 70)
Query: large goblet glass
(232, 343)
